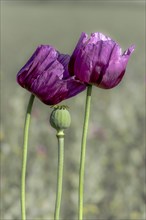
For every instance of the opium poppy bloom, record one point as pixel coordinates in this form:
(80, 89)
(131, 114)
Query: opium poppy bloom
(99, 60)
(46, 76)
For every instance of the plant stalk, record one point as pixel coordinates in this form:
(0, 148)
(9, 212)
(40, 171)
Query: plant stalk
(24, 160)
(83, 152)
(60, 137)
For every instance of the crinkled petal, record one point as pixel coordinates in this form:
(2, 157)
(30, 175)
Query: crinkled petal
(46, 76)
(82, 40)
(129, 50)
(116, 70)
(74, 87)
(52, 93)
(56, 90)
(96, 37)
(40, 61)
(64, 60)
(99, 60)
(94, 59)
(113, 75)
(102, 42)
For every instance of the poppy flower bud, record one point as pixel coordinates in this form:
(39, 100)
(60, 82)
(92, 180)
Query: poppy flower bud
(60, 118)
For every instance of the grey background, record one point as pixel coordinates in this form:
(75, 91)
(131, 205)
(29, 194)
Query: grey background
(115, 160)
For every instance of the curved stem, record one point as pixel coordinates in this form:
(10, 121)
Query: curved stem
(60, 137)
(83, 152)
(24, 161)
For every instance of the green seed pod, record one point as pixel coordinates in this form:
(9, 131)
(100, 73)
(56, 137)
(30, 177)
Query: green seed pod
(60, 118)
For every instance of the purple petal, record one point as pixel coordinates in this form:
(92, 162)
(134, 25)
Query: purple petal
(57, 90)
(95, 37)
(116, 70)
(94, 59)
(80, 43)
(64, 60)
(98, 60)
(83, 38)
(129, 50)
(84, 41)
(39, 62)
(113, 75)
(46, 76)
(74, 87)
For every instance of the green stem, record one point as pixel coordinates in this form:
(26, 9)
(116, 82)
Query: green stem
(24, 161)
(60, 137)
(83, 152)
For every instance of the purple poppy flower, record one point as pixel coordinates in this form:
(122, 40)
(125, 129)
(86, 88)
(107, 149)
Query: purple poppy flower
(99, 60)
(46, 76)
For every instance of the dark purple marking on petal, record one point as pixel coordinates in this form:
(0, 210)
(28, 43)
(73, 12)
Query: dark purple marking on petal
(103, 70)
(64, 60)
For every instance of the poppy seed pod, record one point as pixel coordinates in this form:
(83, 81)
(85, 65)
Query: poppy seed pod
(60, 118)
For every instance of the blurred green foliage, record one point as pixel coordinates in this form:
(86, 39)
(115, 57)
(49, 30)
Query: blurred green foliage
(115, 160)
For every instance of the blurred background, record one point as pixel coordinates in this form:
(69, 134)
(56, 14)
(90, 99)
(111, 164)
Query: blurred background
(115, 159)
